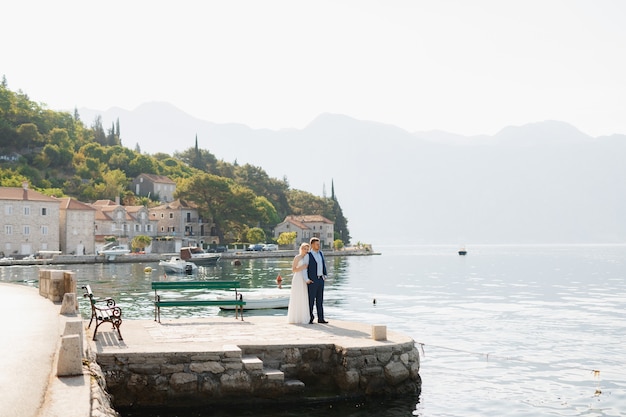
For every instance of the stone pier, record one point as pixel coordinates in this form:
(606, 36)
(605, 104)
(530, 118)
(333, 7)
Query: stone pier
(219, 360)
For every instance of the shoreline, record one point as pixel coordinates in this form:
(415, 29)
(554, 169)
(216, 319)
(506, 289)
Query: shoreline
(156, 257)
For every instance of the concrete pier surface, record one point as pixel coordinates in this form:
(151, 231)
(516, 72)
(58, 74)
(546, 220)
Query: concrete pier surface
(32, 329)
(212, 333)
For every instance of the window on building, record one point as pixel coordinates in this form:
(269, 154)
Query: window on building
(8, 210)
(171, 215)
(148, 228)
(26, 210)
(26, 230)
(44, 230)
(44, 211)
(8, 229)
(137, 228)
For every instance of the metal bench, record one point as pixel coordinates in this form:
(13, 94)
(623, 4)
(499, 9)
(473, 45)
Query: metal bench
(237, 301)
(108, 313)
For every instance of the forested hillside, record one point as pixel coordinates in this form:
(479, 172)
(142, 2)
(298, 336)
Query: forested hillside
(58, 154)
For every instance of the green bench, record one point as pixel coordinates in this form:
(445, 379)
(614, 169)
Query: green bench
(157, 286)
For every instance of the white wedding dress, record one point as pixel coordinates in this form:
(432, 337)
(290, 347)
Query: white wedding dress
(298, 311)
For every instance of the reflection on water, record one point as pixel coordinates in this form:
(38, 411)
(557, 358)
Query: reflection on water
(505, 330)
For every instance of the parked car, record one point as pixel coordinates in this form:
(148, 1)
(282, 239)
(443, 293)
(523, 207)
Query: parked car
(270, 246)
(256, 247)
(217, 249)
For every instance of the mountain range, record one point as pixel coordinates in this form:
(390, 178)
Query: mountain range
(544, 182)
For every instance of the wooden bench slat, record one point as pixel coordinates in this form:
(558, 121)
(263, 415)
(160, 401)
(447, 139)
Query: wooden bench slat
(181, 303)
(164, 285)
(187, 285)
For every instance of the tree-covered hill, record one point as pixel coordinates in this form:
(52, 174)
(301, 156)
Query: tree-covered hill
(59, 155)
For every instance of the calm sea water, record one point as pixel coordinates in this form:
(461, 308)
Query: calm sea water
(505, 330)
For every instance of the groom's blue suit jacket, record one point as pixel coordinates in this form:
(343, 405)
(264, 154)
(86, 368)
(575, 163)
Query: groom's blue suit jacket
(311, 271)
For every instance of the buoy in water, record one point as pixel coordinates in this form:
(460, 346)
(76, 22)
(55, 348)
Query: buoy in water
(147, 269)
(279, 278)
(237, 262)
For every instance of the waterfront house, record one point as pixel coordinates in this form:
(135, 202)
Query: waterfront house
(156, 187)
(121, 222)
(77, 227)
(180, 220)
(30, 221)
(306, 227)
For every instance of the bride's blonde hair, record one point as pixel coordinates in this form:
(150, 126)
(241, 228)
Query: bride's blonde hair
(304, 244)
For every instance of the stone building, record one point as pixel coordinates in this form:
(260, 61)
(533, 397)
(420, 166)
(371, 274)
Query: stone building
(77, 227)
(30, 221)
(154, 186)
(122, 222)
(180, 220)
(306, 227)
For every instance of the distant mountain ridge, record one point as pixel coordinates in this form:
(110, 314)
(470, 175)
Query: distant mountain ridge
(542, 182)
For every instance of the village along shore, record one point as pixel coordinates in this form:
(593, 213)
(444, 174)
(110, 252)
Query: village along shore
(229, 255)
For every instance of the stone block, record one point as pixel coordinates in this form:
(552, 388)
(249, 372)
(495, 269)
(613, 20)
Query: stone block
(75, 327)
(70, 361)
(379, 332)
(69, 305)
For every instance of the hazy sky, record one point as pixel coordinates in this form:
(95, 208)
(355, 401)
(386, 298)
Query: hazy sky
(468, 67)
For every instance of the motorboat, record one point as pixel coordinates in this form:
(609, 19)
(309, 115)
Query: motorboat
(462, 252)
(110, 252)
(263, 302)
(199, 256)
(176, 265)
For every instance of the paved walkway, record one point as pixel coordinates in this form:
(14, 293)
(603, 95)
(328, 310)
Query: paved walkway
(32, 329)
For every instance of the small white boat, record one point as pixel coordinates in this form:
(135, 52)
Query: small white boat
(175, 265)
(198, 256)
(261, 303)
(112, 251)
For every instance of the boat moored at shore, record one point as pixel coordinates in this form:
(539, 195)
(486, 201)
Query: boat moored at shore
(198, 256)
(175, 265)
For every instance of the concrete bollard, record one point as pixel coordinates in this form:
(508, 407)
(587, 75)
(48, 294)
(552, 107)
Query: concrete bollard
(68, 307)
(70, 359)
(75, 327)
(379, 332)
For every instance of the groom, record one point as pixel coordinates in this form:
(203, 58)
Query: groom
(316, 273)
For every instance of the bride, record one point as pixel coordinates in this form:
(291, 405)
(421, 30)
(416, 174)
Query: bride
(298, 311)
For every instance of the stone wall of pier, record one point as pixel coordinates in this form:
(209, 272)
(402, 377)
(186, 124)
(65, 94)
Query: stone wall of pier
(254, 374)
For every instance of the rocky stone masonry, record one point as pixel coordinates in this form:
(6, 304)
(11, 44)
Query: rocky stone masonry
(254, 374)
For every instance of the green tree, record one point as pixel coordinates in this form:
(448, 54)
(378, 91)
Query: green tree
(98, 130)
(29, 135)
(140, 243)
(341, 223)
(255, 235)
(287, 238)
(198, 158)
(220, 200)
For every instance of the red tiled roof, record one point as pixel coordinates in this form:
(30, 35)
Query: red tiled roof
(308, 218)
(158, 178)
(72, 204)
(175, 205)
(24, 194)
